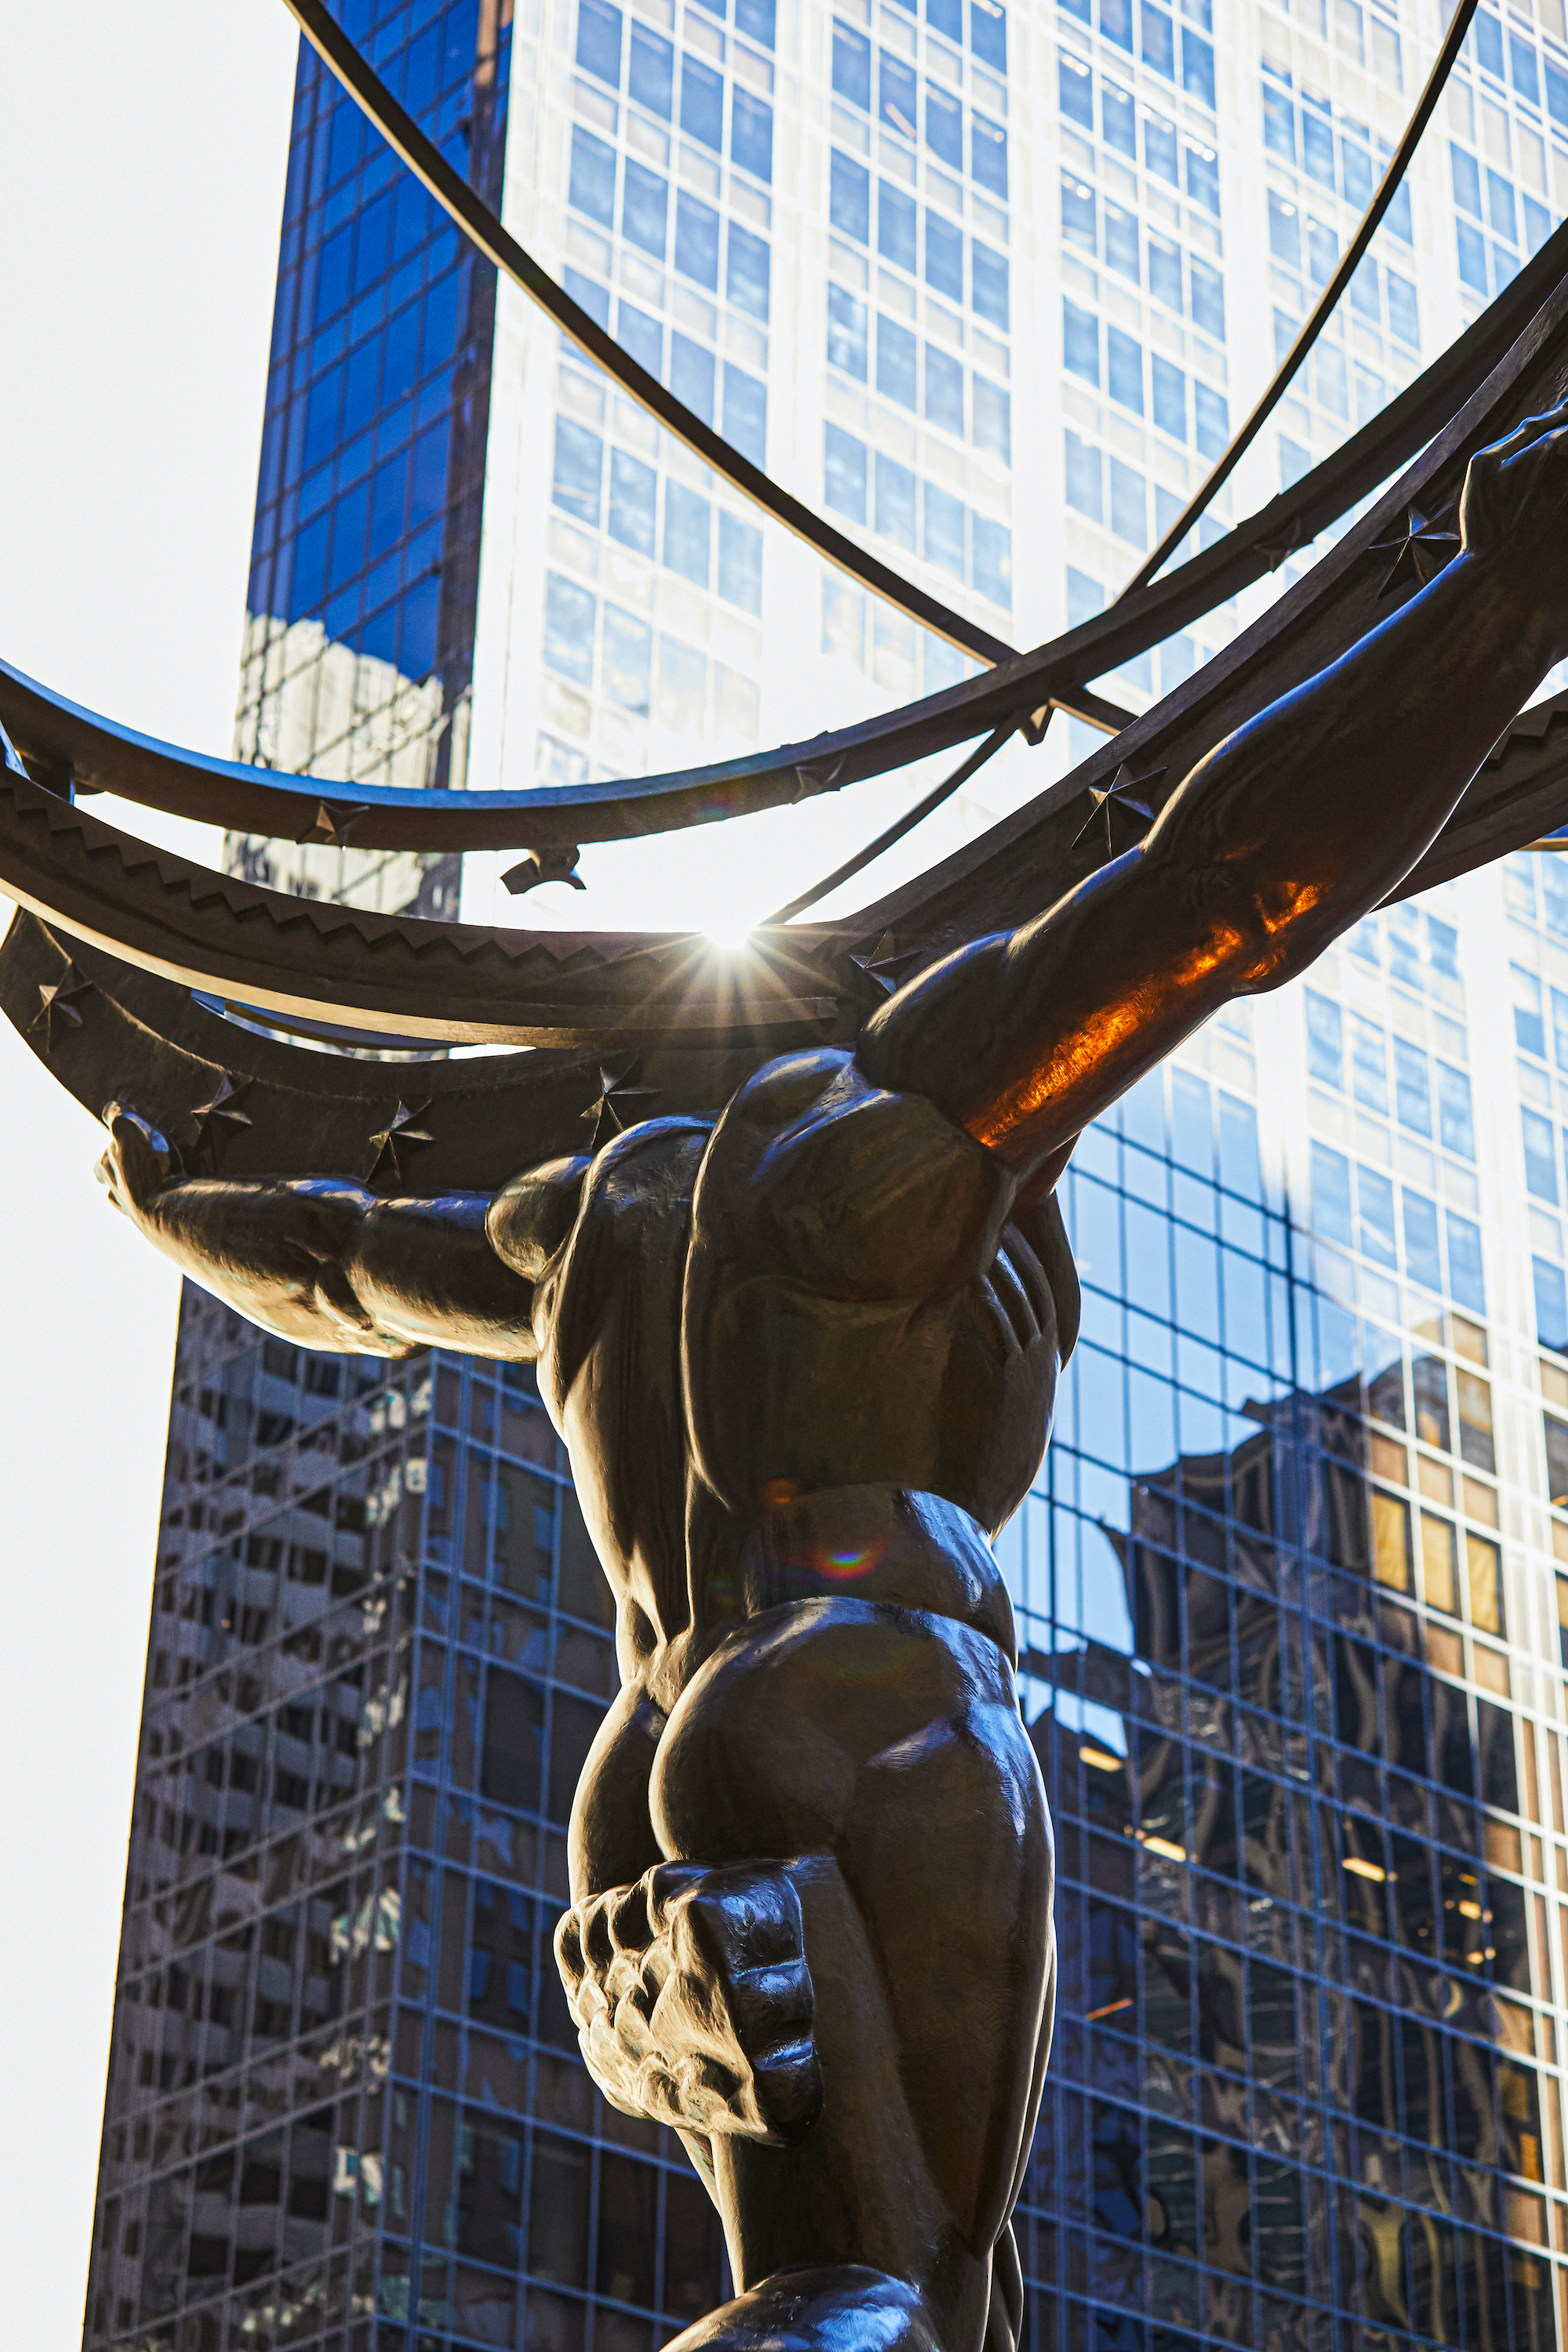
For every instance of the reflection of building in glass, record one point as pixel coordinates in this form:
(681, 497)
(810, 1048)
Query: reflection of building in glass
(1288, 1594)
(1290, 1615)
(359, 654)
(1252, 1735)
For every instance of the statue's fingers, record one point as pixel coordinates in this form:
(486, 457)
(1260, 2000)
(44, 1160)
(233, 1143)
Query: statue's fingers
(630, 1927)
(568, 1955)
(603, 2054)
(598, 1944)
(665, 1887)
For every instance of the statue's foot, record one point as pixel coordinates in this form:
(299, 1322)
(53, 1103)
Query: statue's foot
(837, 2307)
(693, 2001)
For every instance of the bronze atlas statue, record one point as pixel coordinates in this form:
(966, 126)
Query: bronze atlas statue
(779, 1231)
(804, 1355)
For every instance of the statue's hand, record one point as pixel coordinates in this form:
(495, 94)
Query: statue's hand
(1516, 494)
(136, 1166)
(693, 2001)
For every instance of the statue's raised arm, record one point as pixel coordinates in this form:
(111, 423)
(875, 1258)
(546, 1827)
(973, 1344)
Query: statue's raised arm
(326, 1262)
(1282, 838)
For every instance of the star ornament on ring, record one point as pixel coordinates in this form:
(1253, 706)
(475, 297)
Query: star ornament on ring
(402, 1133)
(1123, 794)
(620, 1103)
(1420, 550)
(217, 1118)
(60, 999)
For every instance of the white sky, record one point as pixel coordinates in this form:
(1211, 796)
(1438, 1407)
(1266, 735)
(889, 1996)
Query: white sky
(141, 186)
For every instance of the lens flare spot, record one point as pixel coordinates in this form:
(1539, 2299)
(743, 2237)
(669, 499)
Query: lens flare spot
(845, 1567)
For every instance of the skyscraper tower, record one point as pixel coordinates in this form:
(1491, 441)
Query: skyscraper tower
(1291, 1590)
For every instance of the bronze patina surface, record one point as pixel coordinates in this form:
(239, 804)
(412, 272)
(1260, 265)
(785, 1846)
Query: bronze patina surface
(802, 1343)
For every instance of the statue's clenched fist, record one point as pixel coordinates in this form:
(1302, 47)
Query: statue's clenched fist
(1515, 500)
(693, 2001)
(137, 1163)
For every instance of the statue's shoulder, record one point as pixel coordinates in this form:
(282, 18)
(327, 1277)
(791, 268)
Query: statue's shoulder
(652, 1166)
(831, 1179)
(790, 1087)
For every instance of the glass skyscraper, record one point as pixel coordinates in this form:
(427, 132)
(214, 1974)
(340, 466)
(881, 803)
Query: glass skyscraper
(1293, 1591)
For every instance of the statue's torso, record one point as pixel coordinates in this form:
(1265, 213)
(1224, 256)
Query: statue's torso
(781, 1348)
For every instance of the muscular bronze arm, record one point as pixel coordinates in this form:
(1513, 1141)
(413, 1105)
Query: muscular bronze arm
(326, 1263)
(1283, 838)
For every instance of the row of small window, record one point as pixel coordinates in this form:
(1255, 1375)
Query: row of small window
(862, 486)
(1120, 114)
(1416, 948)
(1416, 2269)
(1470, 1586)
(885, 644)
(1488, 264)
(1123, 378)
(626, 678)
(1140, 1420)
(1521, 874)
(1540, 1155)
(1159, 671)
(899, 107)
(689, 368)
(683, 535)
(1531, 1001)
(366, 520)
(1370, 1228)
(377, 374)
(645, 222)
(1412, 1090)
(590, 2222)
(1259, 2035)
(987, 28)
(1486, 267)
(431, 76)
(1122, 500)
(1125, 244)
(1499, 212)
(392, 615)
(1551, 1329)
(1295, 239)
(755, 18)
(1484, 47)
(899, 368)
(1156, 44)
(1303, 134)
(1182, 1117)
(365, 263)
(1247, 1839)
(601, 50)
(898, 234)
(1167, 1270)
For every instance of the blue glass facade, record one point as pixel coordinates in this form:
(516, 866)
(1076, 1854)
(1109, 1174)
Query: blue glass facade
(1273, 1666)
(363, 586)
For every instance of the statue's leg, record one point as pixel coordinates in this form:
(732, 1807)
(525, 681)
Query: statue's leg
(878, 1753)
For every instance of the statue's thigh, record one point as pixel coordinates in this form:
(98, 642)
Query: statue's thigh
(890, 1743)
